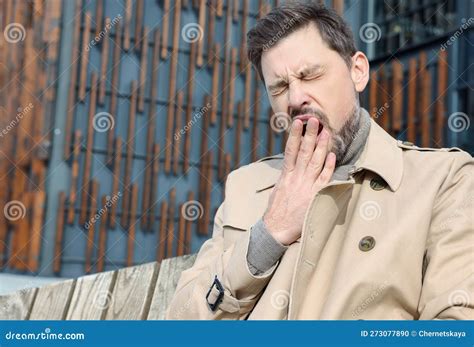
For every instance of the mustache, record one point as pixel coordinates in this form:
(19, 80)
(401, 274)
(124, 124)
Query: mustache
(320, 115)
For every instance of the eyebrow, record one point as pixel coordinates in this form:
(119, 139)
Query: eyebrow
(278, 84)
(311, 69)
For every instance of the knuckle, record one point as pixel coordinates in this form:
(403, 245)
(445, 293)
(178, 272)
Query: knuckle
(304, 151)
(289, 151)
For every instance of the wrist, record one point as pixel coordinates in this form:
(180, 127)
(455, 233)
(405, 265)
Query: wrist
(272, 229)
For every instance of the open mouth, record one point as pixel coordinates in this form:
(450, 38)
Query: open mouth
(305, 123)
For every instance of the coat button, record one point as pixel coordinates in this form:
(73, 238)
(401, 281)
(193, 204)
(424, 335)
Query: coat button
(366, 243)
(377, 183)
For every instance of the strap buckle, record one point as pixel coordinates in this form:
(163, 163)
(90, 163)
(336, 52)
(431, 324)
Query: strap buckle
(216, 284)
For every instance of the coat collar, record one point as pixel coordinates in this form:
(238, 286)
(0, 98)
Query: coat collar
(381, 155)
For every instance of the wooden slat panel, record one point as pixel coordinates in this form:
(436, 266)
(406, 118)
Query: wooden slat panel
(84, 56)
(73, 79)
(177, 153)
(172, 84)
(210, 32)
(189, 106)
(425, 100)
(130, 149)
(162, 233)
(102, 236)
(138, 21)
(425, 115)
(373, 95)
(17, 306)
(91, 226)
(170, 224)
(248, 87)
(397, 95)
(154, 184)
(256, 114)
(165, 30)
(38, 208)
(143, 69)
(132, 225)
(441, 97)
(74, 175)
(170, 272)
(202, 25)
(52, 301)
(115, 180)
(215, 83)
(338, 6)
(89, 145)
(114, 88)
(104, 62)
(411, 111)
(132, 292)
(58, 244)
(92, 296)
(128, 20)
(151, 133)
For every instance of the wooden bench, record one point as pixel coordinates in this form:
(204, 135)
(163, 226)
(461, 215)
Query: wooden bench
(134, 293)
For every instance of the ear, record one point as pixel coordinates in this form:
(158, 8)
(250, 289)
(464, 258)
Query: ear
(360, 71)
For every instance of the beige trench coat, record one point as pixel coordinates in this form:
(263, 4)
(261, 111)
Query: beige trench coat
(395, 241)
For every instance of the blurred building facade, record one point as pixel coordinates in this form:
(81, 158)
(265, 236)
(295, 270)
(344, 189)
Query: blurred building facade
(124, 117)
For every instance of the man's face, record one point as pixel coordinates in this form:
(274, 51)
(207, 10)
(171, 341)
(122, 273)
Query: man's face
(305, 78)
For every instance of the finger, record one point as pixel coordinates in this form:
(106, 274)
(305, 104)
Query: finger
(316, 163)
(307, 145)
(293, 145)
(329, 167)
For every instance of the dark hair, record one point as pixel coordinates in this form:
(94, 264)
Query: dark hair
(285, 19)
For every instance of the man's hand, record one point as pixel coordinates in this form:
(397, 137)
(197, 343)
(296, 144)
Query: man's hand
(307, 168)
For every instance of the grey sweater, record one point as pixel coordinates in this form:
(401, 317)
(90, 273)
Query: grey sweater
(264, 251)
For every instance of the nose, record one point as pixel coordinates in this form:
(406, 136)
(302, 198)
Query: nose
(297, 96)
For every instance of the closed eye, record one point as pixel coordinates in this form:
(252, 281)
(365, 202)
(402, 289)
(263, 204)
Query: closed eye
(278, 91)
(311, 77)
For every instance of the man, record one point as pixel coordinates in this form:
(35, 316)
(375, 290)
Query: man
(349, 223)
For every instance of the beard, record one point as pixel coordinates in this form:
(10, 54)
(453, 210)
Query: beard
(341, 139)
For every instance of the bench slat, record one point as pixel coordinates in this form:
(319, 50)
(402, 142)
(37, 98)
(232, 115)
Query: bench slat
(131, 294)
(52, 301)
(17, 306)
(91, 297)
(168, 278)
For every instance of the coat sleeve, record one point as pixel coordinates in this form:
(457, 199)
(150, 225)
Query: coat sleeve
(448, 282)
(242, 289)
